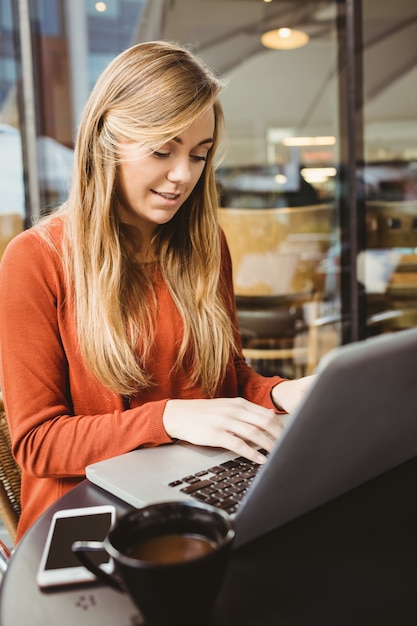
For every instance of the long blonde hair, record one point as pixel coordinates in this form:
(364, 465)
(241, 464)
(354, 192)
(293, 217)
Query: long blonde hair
(149, 94)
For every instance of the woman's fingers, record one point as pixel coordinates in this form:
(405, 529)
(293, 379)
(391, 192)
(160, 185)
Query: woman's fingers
(242, 448)
(244, 418)
(232, 423)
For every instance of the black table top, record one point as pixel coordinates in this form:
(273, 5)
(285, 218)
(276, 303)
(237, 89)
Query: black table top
(351, 562)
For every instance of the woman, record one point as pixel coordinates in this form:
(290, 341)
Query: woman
(119, 326)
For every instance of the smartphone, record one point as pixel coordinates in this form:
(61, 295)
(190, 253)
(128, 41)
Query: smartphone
(59, 565)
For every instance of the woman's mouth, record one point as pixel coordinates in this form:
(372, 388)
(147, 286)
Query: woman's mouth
(168, 196)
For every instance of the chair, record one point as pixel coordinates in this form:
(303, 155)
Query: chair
(275, 254)
(5, 555)
(10, 479)
(273, 328)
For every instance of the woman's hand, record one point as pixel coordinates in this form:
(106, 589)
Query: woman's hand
(288, 394)
(232, 423)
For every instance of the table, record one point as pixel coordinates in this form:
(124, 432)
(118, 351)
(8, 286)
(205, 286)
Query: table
(351, 562)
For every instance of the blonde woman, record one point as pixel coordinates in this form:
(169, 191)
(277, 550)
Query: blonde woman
(119, 327)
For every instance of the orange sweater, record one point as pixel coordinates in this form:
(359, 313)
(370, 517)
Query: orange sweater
(61, 418)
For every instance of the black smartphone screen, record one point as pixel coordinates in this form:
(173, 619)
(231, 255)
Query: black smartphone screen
(78, 528)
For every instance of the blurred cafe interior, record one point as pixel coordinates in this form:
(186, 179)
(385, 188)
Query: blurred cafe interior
(318, 183)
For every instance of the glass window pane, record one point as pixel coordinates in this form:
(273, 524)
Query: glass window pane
(282, 115)
(388, 266)
(12, 191)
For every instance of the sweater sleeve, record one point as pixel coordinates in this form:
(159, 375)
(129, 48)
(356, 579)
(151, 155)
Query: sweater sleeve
(61, 418)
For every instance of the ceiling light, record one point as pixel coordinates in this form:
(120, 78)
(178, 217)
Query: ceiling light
(280, 179)
(309, 141)
(317, 174)
(284, 39)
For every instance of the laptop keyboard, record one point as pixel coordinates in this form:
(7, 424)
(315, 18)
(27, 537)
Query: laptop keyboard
(222, 485)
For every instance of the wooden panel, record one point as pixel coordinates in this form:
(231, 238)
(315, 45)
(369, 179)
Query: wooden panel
(11, 224)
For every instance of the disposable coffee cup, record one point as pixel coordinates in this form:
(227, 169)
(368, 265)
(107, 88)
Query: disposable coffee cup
(170, 557)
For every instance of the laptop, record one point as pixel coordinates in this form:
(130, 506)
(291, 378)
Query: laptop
(358, 420)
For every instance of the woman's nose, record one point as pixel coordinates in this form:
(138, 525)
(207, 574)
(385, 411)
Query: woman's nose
(180, 171)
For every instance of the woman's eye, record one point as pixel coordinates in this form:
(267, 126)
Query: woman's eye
(164, 155)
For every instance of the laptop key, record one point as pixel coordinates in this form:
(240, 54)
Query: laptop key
(208, 491)
(244, 460)
(241, 487)
(190, 479)
(201, 496)
(217, 478)
(175, 483)
(196, 486)
(213, 501)
(227, 503)
(229, 464)
(250, 473)
(216, 469)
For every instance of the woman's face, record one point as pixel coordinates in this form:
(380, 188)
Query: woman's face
(151, 189)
